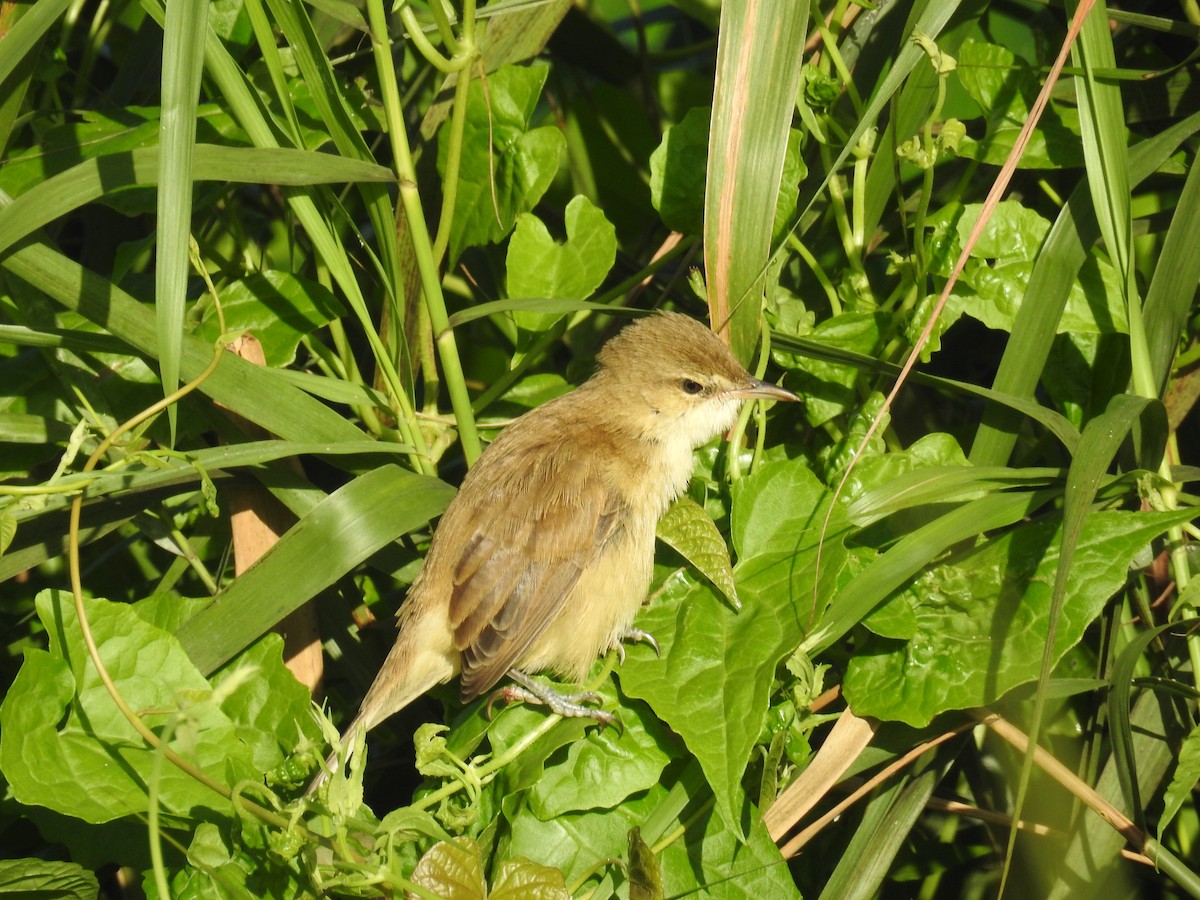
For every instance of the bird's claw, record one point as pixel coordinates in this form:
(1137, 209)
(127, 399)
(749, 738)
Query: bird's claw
(636, 636)
(567, 705)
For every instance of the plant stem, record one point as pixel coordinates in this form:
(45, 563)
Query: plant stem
(410, 200)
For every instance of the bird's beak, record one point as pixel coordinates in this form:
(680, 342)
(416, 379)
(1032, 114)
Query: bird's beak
(762, 390)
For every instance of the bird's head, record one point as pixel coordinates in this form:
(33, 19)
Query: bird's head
(676, 380)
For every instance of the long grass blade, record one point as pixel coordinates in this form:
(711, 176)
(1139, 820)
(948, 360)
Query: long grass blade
(251, 391)
(95, 178)
(1173, 288)
(183, 62)
(25, 34)
(351, 524)
(758, 72)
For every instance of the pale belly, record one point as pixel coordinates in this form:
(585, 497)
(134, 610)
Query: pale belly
(600, 610)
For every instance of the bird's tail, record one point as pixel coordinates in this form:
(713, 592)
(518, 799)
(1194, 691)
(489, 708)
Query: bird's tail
(417, 661)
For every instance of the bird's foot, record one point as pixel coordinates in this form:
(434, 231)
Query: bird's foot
(636, 636)
(568, 705)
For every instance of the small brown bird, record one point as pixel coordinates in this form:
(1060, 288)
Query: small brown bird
(544, 556)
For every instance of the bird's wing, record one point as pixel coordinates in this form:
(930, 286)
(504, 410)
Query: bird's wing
(520, 565)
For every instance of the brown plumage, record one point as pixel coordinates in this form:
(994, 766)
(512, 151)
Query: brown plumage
(544, 556)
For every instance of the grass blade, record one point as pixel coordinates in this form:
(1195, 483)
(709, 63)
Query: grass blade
(94, 178)
(342, 531)
(183, 62)
(25, 34)
(758, 73)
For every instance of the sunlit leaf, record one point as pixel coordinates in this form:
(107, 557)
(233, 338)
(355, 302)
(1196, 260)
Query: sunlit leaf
(507, 163)
(982, 618)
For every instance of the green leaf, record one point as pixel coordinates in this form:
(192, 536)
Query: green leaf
(578, 843)
(8, 529)
(861, 596)
(21, 428)
(644, 869)
(516, 32)
(605, 767)
(1065, 251)
(993, 284)
(520, 879)
(730, 867)
(511, 728)
(343, 11)
(776, 510)
(828, 388)
(506, 164)
(278, 308)
(211, 863)
(65, 745)
(1005, 88)
(538, 266)
(35, 878)
(93, 134)
(452, 870)
(677, 172)
(880, 476)
(794, 172)
(688, 529)
(713, 682)
(982, 618)
(272, 710)
(1183, 780)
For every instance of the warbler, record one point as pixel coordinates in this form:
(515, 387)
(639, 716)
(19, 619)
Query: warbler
(545, 554)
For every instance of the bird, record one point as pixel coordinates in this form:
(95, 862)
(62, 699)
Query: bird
(545, 555)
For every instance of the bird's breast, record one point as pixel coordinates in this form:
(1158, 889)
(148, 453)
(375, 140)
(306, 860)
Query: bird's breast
(602, 606)
(654, 473)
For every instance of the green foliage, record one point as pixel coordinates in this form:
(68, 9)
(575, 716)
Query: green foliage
(278, 308)
(677, 173)
(45, 878)
(1001, 262)
(687, 528)
(423, 227)
(977, 624)
(539, 267)
(507, 163)
(1004, 88)
(455, 871)
(59, 724)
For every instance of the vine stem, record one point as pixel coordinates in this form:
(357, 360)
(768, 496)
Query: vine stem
(488, 770)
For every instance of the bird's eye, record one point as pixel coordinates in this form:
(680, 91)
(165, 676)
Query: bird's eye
(691, 387)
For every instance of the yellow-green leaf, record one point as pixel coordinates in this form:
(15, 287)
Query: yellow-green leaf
(687, 529)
